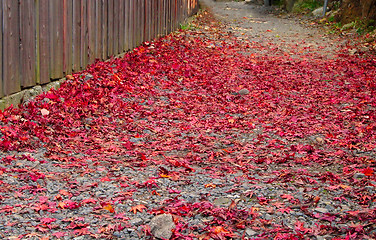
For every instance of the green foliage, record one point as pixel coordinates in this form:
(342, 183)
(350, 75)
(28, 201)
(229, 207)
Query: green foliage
(185, 26)
(331, 19)
(363, 26)
(303, 6)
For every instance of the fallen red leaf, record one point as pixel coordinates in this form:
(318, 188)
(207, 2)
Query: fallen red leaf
(138, 208)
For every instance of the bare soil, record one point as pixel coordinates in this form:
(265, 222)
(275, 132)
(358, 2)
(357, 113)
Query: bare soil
(254, 22)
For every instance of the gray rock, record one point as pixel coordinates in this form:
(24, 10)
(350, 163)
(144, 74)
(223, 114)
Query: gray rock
(326, 237)
(250, 232)
(318, 12)
(161, 226)
(243, 91)
(222, 202)
(136, 221)
(321, 210)
(136, 140)
(359, 175)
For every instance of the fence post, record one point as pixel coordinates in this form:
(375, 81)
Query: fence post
(11, 50)
(56, 39)
(68, 36)
(27, 44)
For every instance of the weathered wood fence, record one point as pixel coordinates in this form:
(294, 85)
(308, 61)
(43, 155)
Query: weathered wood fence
(43, 40)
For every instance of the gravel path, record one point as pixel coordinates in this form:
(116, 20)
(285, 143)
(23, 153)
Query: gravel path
(252, 128)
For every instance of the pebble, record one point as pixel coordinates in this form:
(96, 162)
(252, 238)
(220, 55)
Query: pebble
(136, 140)
(321, 210)
(250, 232)
(136, 221)
(359, 175)
(161, 226)
(222, 202)
(243, 91)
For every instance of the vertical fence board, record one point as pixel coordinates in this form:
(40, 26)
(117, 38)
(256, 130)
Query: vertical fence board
(121, 26)
(131, 23)
(56, 39)
(91, 31)
(167, 16)
(116, 27)
(84, 34)
(142, 20)
(146, 20)
(105, 29)
(68, 36)
(152, 19)
(159, 20)
(27, 46)
(173, 17)
(99, 29)
(110, 33)
(126, 25)
(11, 69)
(139, 20)
(135, 23)
(43, 42)
(1, 50)
(76, 36)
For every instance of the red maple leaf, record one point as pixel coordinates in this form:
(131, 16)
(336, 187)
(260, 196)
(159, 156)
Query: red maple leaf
(139, 208)
(368, 171)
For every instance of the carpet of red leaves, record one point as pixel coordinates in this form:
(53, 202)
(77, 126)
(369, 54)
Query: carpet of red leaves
(305, 121)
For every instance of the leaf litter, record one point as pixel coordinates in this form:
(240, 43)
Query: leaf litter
(232, 143)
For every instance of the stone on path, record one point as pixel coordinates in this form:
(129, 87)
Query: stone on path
(321, 210)
(250, 232)
(161, 226)
(318, 12)
(243, 91)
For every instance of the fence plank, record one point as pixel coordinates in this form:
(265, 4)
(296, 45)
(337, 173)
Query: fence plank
(91, 30)
(167, 19)
(115, 18)
(76, 36)
(43, 42)
(131, 23)
(126, 25)
(99, 29)
(110, 33)
(152, 19)
(142, 20)
(105, 29)
(11, 51)
(84, 34)
(146, 26)
(121, 26)
(158, 22)
(138, 22)
(1, 50)
(56, 39)
(27, 43)
(68, 36)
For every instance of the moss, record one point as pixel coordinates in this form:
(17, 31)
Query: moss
(303, 6)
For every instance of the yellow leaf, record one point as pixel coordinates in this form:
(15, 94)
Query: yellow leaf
(210, 185)
(165, 176)
(109, 208)
(61, 205)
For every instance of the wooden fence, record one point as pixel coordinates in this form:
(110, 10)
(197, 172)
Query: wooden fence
(43, 40)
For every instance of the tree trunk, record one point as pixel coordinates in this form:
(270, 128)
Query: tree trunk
(357, 9)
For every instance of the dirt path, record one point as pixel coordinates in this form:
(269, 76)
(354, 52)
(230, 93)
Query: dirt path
(206, 133)
(251, 22)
